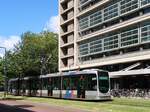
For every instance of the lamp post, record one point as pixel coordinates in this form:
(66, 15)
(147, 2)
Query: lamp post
(5, 73)
(41, 73)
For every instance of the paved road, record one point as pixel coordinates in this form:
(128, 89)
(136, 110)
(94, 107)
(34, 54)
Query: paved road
(24, 106)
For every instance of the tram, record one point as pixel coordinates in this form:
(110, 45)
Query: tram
(89, 84)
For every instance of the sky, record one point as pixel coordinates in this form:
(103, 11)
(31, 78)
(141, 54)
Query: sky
(19, 16)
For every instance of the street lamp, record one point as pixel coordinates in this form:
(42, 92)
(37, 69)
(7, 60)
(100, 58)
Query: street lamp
(41, 73)
(5, 73)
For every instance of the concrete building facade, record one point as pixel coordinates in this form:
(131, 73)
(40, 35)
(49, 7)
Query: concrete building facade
(108, 34)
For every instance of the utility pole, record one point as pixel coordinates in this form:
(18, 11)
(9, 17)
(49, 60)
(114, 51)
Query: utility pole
(41, 73)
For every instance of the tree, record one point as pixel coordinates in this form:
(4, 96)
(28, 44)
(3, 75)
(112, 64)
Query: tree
(35, 51)
(1, 73)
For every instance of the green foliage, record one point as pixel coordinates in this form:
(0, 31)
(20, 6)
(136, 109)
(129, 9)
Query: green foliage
(34, 53)
(1, 73)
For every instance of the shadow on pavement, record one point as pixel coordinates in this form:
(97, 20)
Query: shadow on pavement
(23, 106)
(18, 108)
(14, 99)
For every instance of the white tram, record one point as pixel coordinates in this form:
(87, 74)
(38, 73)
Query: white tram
(89, 84)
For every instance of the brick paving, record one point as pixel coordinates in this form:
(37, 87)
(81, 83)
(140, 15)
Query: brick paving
(25, 106)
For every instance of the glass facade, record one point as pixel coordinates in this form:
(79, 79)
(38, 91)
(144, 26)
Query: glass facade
(95, 18)
(125, 38)
(84, 23)
(83, 4)
(114, 10)
(95, 46)
(129, 37)
(128, 5)
(111, 11)
(145, 33)
(111, 42)
(144, 2)
(83, 49)
(83, 1)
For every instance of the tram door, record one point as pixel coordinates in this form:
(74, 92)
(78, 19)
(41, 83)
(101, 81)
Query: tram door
(50, 87)
(81, 87)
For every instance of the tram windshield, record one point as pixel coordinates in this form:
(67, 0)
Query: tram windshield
(103, 82)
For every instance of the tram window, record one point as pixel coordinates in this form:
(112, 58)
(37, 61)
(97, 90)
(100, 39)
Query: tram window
(82, 82)
(37, 83)
(70, 83)
(28, 84)
(73, 82)
(87, 82)
(44, 83)
(49, 84)
(66, 83)
(103, 82)
(14, 85)
(56, 83)
(34, 84)
(23, 84)
(91, 81)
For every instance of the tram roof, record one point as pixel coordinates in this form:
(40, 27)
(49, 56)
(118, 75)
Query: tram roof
(84, 72)
(50, 75)
(14, 79)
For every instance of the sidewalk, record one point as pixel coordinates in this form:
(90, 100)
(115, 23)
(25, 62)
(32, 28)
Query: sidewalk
(25, 106)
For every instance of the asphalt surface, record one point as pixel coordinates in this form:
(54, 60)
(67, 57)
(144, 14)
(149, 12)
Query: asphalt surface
(25, 106)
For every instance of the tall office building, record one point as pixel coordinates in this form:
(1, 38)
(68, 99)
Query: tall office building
(108, 34)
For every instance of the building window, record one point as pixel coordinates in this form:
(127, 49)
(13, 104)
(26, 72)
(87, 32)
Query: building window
(84, 4)
(83, 1)
(128, 5)
(83, 49)
(96, 46)
(129, 37)
(111, 42)
(84, 23)
(111, 11)
(145, 32)
(144, 2)
(95, 18)
(123, 39)
(146, 10)
(90, 20)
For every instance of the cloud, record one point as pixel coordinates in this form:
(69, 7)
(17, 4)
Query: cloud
(52, 24)
(8, 42)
